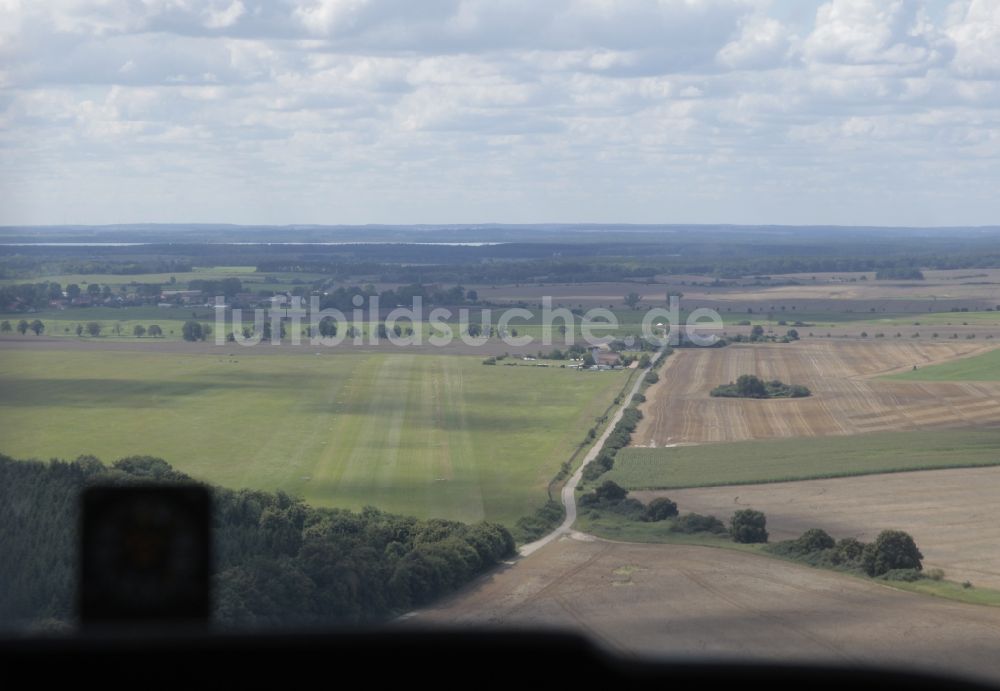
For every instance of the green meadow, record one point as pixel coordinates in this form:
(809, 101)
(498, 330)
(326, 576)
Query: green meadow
(426, 435)
(985, 367)
(181, 278)
(779, 460)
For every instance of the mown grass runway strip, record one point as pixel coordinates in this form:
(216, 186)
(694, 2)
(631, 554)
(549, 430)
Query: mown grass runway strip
(425, 435)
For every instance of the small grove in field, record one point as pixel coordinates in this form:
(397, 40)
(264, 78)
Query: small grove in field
(893, 555)
(752, 386)
(847, 397)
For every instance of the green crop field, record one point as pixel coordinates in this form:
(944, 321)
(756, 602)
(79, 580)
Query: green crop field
(427, 435)
(863, 319)
(939, 319)
(808, 319)
(780, 460)
(985, 367)
(245, 273)
(116, 323)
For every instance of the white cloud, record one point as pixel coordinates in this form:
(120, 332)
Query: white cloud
(394, 110)
(763, 42)
(223, 18)
(975, 30)
(861, 32)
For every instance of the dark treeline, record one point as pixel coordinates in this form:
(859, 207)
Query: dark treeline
(55, 260)
(226, 286)
(899, 273)
(278, 562)
(342, 298)
(33, 295)
(565, 256)
(626, 268)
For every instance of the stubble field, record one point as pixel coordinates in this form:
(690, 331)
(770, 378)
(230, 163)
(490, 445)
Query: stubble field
(687, 602)
(949, 513)
(847, 397)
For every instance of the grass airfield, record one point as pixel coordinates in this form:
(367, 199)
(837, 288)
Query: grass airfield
(427, 435)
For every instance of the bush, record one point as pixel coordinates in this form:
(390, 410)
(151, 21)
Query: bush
(193, 331)
(696, 523)
(749, 386)
(543, 521)
(632, 509)
(748, 526)
(659, 509)
(814, 547)
(905, 575)
(610, 492)
(892, 550)
(848, 552)
(594, 470)
(814, 540)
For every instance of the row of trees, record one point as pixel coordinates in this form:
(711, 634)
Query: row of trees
(153, 331)
(611, 497)
(278, 562)
(23, 326)
(621, 435)
(905, 273)
(37, 296)
(892, 555)
(92, 328)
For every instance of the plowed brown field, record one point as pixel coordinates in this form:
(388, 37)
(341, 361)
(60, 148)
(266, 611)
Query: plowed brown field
(847, 397)
(693, 603)
(948, 513)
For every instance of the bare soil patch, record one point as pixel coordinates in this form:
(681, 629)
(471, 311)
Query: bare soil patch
(696, 602)
(950, 513)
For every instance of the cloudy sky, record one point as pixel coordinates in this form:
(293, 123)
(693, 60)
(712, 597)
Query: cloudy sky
(462, 111)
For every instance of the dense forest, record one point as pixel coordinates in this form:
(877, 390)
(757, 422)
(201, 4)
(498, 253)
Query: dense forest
(496, 254)
(278, 562)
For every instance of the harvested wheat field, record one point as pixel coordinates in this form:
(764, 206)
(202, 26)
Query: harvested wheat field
(847, 397)
(950, 513)
(696, 602)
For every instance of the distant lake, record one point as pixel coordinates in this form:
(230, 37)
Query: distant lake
(262, 244)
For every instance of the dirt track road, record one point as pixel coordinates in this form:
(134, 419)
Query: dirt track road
(682, 602)
(568, 494)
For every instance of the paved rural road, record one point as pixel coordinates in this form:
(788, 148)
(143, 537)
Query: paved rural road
(569, 489)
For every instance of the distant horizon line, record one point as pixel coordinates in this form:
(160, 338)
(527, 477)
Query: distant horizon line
(483, 225)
